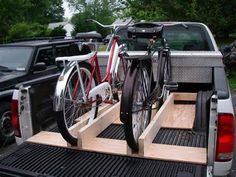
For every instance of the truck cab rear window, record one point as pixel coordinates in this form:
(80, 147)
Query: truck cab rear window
(192, 38)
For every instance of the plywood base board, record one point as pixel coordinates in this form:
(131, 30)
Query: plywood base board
(177, 153)
(185, 96)
(104, 145)
(179, 116)
(154, 151)
(48, 138)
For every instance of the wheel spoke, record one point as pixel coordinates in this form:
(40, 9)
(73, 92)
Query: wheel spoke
(74, 104)
(140, 113)
(70, 91)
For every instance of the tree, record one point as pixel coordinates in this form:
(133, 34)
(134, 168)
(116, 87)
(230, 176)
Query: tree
(55, 11)
(217, 14)
(28, 11)
(143, 10)
(43, 11)
(11, 12)
(101, 10)
(58, 31)
(24, 30)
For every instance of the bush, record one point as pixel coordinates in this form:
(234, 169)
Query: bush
(58, 31)
(24, 30)
(232, 78)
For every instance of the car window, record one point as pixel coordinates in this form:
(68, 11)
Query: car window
(15, 58)
(192, 38)
(62, 51)
(46, 56)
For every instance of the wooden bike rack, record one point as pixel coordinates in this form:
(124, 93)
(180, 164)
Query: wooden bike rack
(170, 115)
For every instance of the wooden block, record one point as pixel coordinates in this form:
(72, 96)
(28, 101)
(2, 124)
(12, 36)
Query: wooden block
(83, 117)
(117, 121)
(76, 127)
(177, 153)
(150, 132)
(185, 96)
(83, 120)
(88, 132)
(101, 109)
(49, 138)
(104, 145)
(179, 116)
(130, 152)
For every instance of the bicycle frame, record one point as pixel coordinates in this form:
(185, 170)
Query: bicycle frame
(112, 69)
(163, 57)
(104, 83)
(112, 66)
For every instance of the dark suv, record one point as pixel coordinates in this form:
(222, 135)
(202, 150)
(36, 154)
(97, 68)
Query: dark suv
(24, 61)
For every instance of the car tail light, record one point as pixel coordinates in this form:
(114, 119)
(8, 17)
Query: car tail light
(225, 137)
(15, 118)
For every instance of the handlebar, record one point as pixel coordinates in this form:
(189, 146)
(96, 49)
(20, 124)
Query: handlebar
(113, 26)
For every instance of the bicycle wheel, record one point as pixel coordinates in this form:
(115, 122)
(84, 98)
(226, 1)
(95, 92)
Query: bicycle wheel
(118, 79)
(164, 72)
(135, 91)
(74, 108)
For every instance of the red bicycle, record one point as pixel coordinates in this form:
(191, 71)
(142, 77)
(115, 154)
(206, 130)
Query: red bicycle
(80, 90)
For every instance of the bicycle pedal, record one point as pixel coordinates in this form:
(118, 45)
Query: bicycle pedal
(172, 86)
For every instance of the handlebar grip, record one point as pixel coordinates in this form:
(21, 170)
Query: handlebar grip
(88, 20)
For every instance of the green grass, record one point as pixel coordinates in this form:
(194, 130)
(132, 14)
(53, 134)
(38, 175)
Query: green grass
(227, 41)
(102, 48)
(232, 79)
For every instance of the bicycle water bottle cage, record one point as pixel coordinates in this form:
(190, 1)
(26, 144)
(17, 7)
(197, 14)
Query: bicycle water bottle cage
(145, 30)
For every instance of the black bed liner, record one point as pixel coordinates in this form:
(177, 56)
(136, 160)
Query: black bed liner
(179, 137)
(49, 161)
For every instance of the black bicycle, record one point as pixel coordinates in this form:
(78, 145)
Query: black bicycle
(145, 87)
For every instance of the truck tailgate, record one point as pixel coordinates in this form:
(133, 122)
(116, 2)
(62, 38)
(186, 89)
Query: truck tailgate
(43, 160)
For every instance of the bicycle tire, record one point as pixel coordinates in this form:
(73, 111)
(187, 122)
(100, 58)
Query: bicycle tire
(164, 76)
(164, 72)
(129, 99)
(76, 110)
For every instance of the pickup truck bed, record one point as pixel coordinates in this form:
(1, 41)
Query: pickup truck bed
(43, 161)
(61, 161)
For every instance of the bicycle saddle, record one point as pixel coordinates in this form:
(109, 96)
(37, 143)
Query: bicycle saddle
(145, 30)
